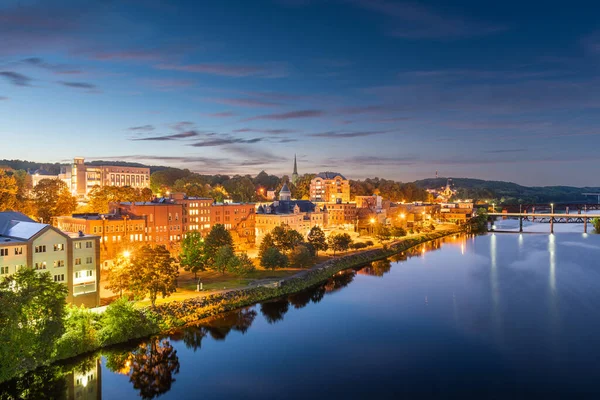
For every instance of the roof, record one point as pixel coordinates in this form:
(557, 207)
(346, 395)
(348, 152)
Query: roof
(285, 189)
(18, 226)
(287, 207)
(330, 175)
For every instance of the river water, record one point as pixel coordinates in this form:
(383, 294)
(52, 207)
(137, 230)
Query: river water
(493, 316)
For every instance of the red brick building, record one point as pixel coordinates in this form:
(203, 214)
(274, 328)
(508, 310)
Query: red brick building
(239, 219)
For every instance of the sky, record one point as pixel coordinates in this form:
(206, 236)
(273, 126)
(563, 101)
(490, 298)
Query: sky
(368, 88)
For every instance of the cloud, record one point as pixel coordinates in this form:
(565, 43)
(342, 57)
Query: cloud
(225, 141)
(16, 78)
(267, 131)
(237, 71)
(245, 102)
(414, 21)
(3, 98)
(78, 85)
(372, 161)
(142, 128)
(363, 110)
(182, 125)
(504, 151)
(340, 134)
(175, 136)
(289, 115)
(167, 84)
(222, 114)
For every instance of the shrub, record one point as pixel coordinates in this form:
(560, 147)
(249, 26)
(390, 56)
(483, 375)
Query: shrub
(301, 257)
(369, 243)
(121, 322)
(80, 334)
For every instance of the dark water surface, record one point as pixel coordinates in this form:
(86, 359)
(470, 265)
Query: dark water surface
(496, 316)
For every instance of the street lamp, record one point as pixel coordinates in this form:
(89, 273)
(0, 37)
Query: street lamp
(126, 254)
(494, 207)
(372, 221)
(552, 208)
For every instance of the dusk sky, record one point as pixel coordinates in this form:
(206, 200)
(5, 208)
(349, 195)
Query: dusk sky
(492, 90)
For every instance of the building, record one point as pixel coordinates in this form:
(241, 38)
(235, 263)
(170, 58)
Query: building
(81, 178)
(164, 220)
(330, 187)
(196, 212)
(341, 214)
(239, 219)
(300, 215)
(295, 173)
(70, 258)
(117, 231)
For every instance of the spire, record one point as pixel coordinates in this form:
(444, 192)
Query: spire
(295, 174)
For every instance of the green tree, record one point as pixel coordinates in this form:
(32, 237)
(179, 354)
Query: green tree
(301, 190)
(153, 272)
(53, 198)
(32, 308)
(216, 238)
(479, 223)
(119, 275)
(316, 237)
(596, 223)
(122, 321)
(339, 242)
(301, 256)
(241, 189)
(241, 265)
(80, 332)
(383, 233)
(285, 238)
(273, 258)
(398, 231)
(267, 243)
(8, 192)
(223, 258)
(192, 257)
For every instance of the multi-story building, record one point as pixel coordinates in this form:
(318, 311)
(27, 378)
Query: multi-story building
(238, 219)
(330, 187)
(164, 220)
(117, 232)
(70, 258)
(342, 214)
(81, 178)
(300, 215)
(196, 212)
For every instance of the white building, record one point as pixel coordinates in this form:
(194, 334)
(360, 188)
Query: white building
(70, 258)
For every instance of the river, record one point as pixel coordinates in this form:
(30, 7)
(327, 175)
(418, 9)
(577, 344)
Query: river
(492, 316)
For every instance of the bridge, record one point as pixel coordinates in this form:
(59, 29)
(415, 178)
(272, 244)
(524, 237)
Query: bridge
(532, 207)
(549, 218)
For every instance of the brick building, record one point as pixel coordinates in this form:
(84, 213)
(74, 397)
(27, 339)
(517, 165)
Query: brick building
(330, 187)
(239, 219)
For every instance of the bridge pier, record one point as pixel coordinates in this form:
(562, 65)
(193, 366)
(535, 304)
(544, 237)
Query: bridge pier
(585, 225)
(520, 224)
(552, 225)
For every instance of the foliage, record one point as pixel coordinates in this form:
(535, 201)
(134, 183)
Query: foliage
(369, 243)
(479, 222)
(596, 223)
(192, 257)
(119, 275)
(80, 332)
(285, 238)
(122, 321)
(32, 307)
(267, 243)
(216, 238)
(153, 272)
(358, 246)
(52, 198)
(241, 265)
(8, 192)
(388, 189)
(316, 237)
(101, 196)
(383, 233)
(398, 231)
(222, 259)
(273, 258)
(340, 242)
(301, 256)
(301, 190)
(241, 189)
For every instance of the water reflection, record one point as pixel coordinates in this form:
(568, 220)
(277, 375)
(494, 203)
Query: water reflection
(153, 365)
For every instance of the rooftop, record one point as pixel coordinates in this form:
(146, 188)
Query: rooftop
(330, 175)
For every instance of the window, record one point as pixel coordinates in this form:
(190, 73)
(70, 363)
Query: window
(77, 245)
(59, 247)
(88, 273)
(78, 261)
(88, 245)
(40, 249)
(3, 270)
(59, 263)
(88, 260)
(18, 251)
(3, 252)
(40, 265)
(59, 278)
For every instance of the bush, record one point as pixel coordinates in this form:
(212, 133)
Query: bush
(301, 257)
(369, 243)
(80, 334)
(272, 258)
(121, 322)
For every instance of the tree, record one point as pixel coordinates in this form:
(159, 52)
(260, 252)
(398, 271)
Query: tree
(596, 223)
(241, 265)
(32, 308)
(339, 242)
(301, 256)
(216, 238)
(480, 221)
(192, 257)
(53, 198)
(383, 233)
(398, 231)
(273, 258)
(119, 275)
(316, 237)
(285, 238)
(267, 243)
(153, 271)
(8, 192)
(222, 259)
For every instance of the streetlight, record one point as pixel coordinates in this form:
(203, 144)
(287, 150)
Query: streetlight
(494, 207)
(126, 254)
(372, 221)
(552, 208)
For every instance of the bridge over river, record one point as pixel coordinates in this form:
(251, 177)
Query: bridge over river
(551, 218)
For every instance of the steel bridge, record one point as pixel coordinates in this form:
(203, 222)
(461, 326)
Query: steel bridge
(549, 218)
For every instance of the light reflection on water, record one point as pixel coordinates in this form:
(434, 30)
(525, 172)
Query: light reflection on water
(505, 314)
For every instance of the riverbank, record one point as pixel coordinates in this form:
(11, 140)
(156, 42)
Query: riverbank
(121, 322)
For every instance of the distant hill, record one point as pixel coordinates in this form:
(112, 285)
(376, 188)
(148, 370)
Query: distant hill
(509, 193)
(54, 168)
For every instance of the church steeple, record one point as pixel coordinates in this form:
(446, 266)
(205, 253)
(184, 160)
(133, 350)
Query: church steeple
(295, 174)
